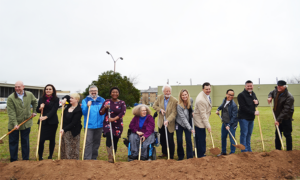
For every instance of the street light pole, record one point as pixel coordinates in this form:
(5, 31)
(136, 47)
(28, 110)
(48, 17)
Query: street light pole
(115, 61)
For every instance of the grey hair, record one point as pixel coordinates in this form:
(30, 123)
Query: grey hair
(167, 85)
(137, 110)
(93, 86)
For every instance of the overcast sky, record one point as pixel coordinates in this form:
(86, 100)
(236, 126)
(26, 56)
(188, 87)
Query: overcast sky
(222, 42)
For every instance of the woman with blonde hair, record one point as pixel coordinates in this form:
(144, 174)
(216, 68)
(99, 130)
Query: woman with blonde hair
(70, 132)
(184, 124)
(142, 129)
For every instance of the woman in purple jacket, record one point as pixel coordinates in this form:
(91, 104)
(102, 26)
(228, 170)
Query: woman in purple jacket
(142, 129)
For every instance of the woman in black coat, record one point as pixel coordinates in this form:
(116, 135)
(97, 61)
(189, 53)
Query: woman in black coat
(70, 141)
(50, 103)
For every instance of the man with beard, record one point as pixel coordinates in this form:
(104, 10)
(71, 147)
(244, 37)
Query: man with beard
(95, 125)
(166, 105)
(247, 103)
(284, 110)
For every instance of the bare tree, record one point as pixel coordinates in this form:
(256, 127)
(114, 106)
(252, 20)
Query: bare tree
(134, 79)
(293, 80)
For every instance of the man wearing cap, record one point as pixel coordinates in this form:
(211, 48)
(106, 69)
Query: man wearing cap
(247, 102)
(283, 110)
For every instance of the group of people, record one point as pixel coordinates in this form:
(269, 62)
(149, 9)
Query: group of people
(106, 116)
(180, 114)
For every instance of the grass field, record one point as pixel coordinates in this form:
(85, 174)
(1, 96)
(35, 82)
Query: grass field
(266, 119)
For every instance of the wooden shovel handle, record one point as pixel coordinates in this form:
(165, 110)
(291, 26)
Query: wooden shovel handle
(20, 124)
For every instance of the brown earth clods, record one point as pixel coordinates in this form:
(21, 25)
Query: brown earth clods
(267, 165)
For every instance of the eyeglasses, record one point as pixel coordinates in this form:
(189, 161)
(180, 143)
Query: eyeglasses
(231, 94)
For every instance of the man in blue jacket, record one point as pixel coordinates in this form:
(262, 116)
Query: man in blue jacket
(229, 120)
(95, 125)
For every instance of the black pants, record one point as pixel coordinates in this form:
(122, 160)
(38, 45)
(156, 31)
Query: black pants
(14, 144)
(200, 141)
(285, 127)
(48, 132)
(164, 143)
(108, 141)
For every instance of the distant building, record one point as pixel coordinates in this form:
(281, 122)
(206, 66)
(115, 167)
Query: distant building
(6, 89)
(218, 92)
(148, 96)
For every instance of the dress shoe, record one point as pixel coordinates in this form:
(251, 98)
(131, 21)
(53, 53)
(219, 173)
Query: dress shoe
(163, 155)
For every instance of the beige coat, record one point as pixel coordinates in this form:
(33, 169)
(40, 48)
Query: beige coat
(171, 112)
(202, 111)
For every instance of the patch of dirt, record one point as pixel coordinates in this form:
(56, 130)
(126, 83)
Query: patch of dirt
(265, 165)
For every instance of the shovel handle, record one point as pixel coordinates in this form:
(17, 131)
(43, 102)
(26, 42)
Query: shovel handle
(61, 126)
(140, 149)
(85, 133)
(212, 140)
(261, 135)
(38, 139)
(194, 138)
(279, 134)
(166, 132)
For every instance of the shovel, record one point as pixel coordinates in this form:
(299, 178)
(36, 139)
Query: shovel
(111, 137)
(166, 132)
(85, 133)
(214, 151)
(61, 126)
(279, 134)
(1, 141)
(194, 138)
(240, 146)
(261, 135)
(140, 149)
(38, 139)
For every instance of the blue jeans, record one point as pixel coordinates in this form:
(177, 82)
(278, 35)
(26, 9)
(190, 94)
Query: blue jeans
(189, 146)
(14, 144)
(200, 141)
(224, 134)
(246, 132)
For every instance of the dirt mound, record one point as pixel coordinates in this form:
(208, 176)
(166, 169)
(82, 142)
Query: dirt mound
(269, 165)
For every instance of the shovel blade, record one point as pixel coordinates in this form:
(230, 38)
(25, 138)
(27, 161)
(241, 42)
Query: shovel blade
(215, 151)
(240, 146)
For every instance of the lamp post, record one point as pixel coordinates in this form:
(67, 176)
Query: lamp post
(114, 60)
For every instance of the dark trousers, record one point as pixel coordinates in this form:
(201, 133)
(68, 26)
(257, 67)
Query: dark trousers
(286, 128)
(189, 146)
(200, 141)
(14, 144)
(108, 141)
(163, 142)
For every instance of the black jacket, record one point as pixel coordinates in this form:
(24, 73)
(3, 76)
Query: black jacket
(246, 105)
(72, 123)
(50, 110)
(285, 105)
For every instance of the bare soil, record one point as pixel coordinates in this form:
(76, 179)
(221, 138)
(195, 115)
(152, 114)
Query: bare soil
(266, 165)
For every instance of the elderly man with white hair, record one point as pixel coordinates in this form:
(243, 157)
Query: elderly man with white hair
(18, 109)
(95, 126)
(166, 105)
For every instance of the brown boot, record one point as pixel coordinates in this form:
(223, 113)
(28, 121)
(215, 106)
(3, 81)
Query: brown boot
(110, 154)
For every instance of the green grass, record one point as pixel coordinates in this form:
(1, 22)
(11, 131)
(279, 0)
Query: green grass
(266, 119)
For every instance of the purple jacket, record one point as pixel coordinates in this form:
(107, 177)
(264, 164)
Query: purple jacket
(148, 126)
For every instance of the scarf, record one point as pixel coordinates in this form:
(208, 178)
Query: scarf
(48, 99)
(276, 100)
